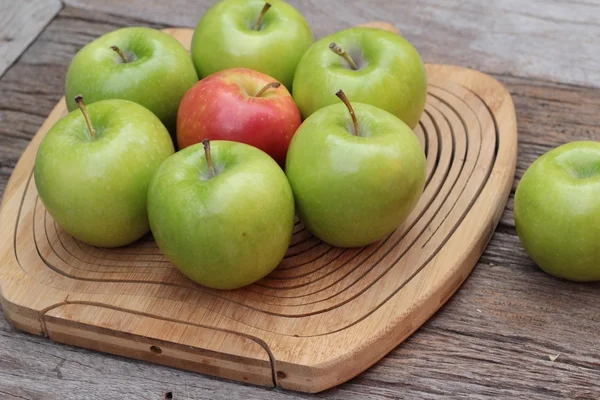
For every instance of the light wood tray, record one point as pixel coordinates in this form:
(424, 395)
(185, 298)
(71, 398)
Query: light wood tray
(324, 315)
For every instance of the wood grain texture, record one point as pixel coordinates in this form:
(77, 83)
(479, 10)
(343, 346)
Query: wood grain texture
(20, 23)
(548, 39)
(500, 352)
(324, 315)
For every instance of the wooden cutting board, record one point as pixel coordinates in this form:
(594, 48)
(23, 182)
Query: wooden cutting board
(325, 315)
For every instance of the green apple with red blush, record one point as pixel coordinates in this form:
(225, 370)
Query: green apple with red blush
(239, 105)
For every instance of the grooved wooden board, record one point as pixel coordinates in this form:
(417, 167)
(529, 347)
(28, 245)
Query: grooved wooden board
(324, 315)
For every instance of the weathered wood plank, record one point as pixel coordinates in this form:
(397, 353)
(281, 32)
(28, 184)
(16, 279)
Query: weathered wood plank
(553, 40)
(491, 340)
(20, 23)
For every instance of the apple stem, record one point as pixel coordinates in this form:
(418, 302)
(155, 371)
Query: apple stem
(120, 53)
(342, 53)
(86, 115)
(345, 100)
(211, 167)
(272, 85)
(259, 21)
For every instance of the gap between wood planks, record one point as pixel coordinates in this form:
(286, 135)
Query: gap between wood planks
(21, 22)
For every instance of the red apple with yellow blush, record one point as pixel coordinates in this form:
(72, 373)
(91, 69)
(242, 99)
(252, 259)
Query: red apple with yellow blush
(239, 105)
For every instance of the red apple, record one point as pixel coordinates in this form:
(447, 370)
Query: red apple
(240, 105)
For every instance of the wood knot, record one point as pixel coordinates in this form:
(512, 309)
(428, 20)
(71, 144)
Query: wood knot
(281, 375)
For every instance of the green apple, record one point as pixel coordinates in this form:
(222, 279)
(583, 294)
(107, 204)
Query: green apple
(370, 65)
(143, 65)
(266, 37)
(356, 177)
(557, 211)
(93, 169)
(224, 217)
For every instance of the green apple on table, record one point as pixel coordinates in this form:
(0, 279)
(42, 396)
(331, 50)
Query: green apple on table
(557, 211)
(222, 212)
(266, 37)
(143, 65)
(370, 65)
(356, 172)
(93, 169)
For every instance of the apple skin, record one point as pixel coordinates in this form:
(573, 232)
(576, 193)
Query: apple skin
(223, 106)
(391, 74)
(157, 79)
(96, 189)
(225, 38)
(227, 231)
(350, 190)
(557, 211)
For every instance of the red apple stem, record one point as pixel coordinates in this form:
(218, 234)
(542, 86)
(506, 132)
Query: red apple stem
(120, 53)
(345, 100)
(259, 21)
(211, 167)
(342, 53)
(86, 115)
(272, 85)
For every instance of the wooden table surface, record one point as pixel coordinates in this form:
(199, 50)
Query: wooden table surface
(493, 339)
